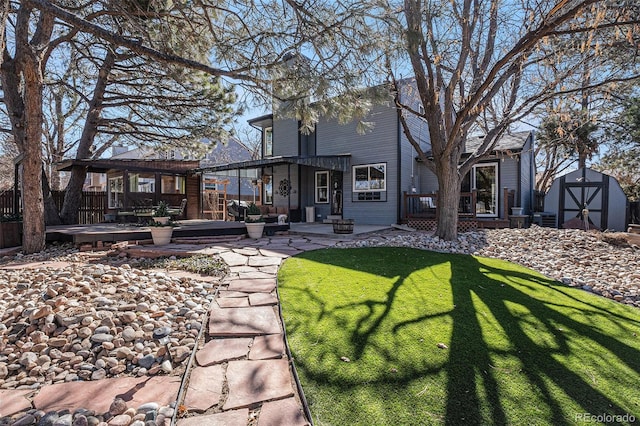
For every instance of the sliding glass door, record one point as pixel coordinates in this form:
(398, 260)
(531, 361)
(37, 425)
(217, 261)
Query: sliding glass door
(485, 181)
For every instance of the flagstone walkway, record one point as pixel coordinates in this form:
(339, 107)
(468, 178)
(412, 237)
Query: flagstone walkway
(241, 375)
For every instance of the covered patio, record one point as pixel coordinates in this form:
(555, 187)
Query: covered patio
(281, 182)
(135, 187)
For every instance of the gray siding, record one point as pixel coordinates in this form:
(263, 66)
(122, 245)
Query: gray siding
(280, 173)
(377, 146)
(508, 170)
(412, 171)
(285, 137)
(527, 176)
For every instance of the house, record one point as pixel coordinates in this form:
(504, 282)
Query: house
(337, 172)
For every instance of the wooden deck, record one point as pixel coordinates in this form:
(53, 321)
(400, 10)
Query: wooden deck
(115, 232)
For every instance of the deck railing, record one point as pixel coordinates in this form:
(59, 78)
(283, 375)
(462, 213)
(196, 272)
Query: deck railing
(426, 205)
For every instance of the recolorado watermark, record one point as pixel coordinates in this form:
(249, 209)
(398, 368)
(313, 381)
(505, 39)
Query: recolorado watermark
(604, 418)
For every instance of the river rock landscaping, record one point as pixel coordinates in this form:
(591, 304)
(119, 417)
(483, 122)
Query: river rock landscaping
(602, 263)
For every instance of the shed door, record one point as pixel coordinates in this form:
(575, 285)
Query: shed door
(581, 194)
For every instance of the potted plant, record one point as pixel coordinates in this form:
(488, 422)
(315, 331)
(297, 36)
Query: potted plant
(10, 230)
(255, 227)
(253, 212)
(161, 214)
(161, 232)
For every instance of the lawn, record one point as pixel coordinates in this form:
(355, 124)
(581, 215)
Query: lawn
(366, 326)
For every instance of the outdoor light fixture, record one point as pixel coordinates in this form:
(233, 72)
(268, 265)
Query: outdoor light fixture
(161, 334)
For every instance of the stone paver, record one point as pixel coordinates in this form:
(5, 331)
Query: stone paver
(266, 347)
(283, 252)
(233, 259)
(98, 395)
(219, 350)
(227, 293)
(233, 302)
(262, 299)
(228, 418)
(205, 388)
(254, 274)
(246, 251)
(283, 412)
(264, 261)
(251, 382)
(264, 285)
(14, 401)
(243, 321)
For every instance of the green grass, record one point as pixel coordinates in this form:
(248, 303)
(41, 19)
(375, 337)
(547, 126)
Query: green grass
(522, 349)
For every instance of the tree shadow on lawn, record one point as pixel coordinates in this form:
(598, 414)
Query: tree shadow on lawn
(540, 364)
(542, 331)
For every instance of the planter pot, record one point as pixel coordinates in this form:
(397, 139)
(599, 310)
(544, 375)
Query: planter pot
(10, 234)
(254, 230)
(162, 220)
(254, 216)
(516, 211)
(343, 226)
(161, 235)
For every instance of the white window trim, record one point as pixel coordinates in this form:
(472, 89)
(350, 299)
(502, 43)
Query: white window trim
(317, 200)
(474, 186)
(267, 130)
(353, 178)
(117, 203)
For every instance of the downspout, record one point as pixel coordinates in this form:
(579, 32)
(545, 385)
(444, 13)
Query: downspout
(399, 172)
(239, 191)
(289, 193)
(532, 171)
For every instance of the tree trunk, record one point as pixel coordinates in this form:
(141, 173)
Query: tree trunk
(33, 239)
(448, 201)
(51, 216)
(73, 196)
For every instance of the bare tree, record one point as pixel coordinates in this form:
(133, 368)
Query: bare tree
(480, 66)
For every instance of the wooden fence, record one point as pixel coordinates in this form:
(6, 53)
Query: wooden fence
(92, 205)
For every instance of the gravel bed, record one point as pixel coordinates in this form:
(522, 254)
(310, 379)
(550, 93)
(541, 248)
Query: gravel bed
(68, 320)
(602, 263)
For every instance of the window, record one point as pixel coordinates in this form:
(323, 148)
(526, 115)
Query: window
(322, 187)
(370, 177)
(142, 182)
(268, 141)
(267, 189)
(116, 192)
(172, 184)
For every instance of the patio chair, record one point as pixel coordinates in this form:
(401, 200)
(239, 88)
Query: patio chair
(178, 211)
(236, 211)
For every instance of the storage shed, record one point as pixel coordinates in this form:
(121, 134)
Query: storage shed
(599, 193)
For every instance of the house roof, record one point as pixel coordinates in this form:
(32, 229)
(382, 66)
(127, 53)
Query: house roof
(508, 142)
(330, 162)
(262, 121)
